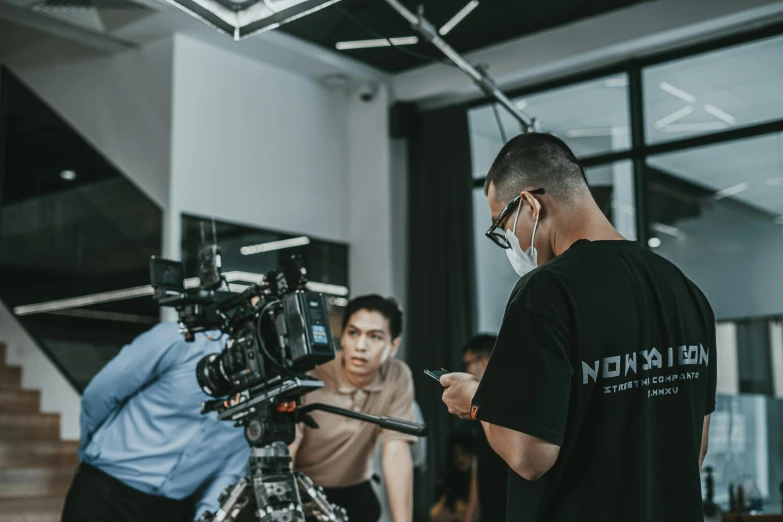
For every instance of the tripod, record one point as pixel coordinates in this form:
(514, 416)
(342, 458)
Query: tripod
(281, 494)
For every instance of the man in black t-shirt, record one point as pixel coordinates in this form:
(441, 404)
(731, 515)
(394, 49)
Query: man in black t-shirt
(490, 472)
(600, 386)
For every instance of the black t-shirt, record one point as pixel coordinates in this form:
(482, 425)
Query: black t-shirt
(608, 351)
(492, 477)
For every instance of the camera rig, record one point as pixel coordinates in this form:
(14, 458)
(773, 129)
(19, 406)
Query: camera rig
(277, 331)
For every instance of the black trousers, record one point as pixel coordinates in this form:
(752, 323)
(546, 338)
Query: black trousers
(95, 496)
(359, 501)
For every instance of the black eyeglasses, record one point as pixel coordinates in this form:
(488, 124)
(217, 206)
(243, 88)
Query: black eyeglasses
(499, 238)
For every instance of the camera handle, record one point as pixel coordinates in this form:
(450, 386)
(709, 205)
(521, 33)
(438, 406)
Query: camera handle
(391, 423)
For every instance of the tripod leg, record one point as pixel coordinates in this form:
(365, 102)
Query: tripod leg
(274, 485)
(232, 501)
(315, 503)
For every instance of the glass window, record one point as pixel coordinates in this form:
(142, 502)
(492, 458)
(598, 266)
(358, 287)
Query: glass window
(591, 117)
(716, 91)
(612, 186)
(715, 211)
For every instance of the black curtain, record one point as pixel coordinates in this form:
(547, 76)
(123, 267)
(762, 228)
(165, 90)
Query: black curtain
(441, 294)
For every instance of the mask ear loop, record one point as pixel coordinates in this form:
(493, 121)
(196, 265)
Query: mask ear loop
(535, 225)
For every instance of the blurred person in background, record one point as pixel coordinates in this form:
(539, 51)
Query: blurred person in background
(454, 486)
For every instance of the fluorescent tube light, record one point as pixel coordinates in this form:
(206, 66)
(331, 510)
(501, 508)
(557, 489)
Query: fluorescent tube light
(668, 230)
(671, 89)
(731, 191)
(596, 132)
(671, 118)
(457, 18)
(728, 118)
(654, 242)
(620, 81)
(274, 245)
(380, 42)
(696, 127)
(326, 288)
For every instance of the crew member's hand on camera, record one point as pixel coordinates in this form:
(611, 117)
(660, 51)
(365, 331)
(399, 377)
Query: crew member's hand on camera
(459, 392)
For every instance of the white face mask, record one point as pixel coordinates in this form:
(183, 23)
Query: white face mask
(522, 261)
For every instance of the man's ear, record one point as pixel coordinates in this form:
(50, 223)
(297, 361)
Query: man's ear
(395, 346)
(532, 205)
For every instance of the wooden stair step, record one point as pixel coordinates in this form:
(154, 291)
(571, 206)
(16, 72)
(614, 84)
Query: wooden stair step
(34, 482)
(20, 401)
(37, 509)
(29, 426)
(10, 377)
(39, 454)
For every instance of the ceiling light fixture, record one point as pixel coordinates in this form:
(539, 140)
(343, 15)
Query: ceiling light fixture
(671, 89)
(144, 291)
(728, 118)
(654, 242)
(621, 81)
(68, 175)
(597, 132)
(731, 191)
(380, 42)
(274, 245)
(242, 18)
(465, 11)
(668, 230)
(695, 127)
(521, 104)
(671, 118)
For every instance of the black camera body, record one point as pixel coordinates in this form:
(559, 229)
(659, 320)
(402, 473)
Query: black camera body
(277, 330)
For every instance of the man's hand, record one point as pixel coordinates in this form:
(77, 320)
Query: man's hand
(459, 392)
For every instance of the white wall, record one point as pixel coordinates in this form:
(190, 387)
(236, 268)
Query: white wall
(38, 373)
(121, 104)
(255, 144)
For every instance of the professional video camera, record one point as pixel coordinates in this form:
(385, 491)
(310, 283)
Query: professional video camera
(277, 330)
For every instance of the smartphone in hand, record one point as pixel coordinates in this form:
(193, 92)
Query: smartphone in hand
(436, 374)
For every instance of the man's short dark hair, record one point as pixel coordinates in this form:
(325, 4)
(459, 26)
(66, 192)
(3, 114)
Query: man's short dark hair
(536, 160)
(481, 344)
(386, 306)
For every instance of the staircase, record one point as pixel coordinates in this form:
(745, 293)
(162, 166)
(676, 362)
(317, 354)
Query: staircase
(36, 467)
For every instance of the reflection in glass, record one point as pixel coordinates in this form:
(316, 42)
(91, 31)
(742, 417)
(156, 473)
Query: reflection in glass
(612, 186)
(725, 89)
(746, 447)
(591, 117)
(717, 212)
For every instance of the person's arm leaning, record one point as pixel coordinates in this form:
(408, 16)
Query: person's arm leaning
(137, 364)
(398, 476)
(397, 462)
(705, 438)
(231, 472)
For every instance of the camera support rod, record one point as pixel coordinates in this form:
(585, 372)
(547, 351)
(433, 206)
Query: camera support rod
(484, 82)
(411, 428)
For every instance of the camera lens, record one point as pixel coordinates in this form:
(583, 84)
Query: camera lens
(211, 377)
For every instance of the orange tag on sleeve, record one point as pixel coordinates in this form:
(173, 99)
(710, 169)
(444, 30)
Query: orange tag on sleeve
(474, 412)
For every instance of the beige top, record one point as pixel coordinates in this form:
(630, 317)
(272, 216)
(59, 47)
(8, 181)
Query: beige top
(339, 453)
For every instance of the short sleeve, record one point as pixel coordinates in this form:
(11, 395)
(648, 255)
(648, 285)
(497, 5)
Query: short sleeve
(712, 371)
(401, 406)
(527, 384)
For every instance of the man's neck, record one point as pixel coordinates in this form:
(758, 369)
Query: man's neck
(590, 224)
(360, 381)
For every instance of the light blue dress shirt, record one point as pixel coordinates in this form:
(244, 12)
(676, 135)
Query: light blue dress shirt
(141, 421)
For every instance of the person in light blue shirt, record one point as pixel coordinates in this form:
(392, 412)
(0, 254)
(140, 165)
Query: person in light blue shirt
(147, 454)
